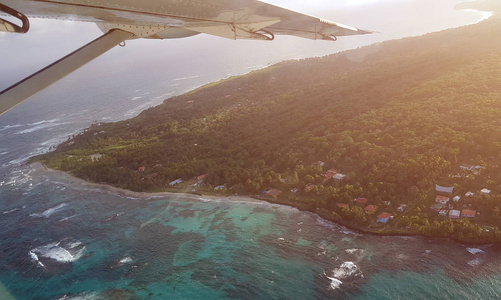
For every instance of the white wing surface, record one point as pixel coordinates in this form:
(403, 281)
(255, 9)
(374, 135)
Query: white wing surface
(131, 19)
(235, 19)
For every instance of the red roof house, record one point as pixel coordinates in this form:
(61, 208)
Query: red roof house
(370, 209)
(141, 169)
(360, 200)
(442, 199)
(309, 187)
(383, 217)
(329, 174)
(469, 213)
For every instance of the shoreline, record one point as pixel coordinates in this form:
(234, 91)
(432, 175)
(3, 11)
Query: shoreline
(38, 167)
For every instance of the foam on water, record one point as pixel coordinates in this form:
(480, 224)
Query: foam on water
(7, 212)
(205, 200)
(335, 283)
(335, 227)
(125, 260)
(82, 296)
(64, 251)
(42, 122)
(358, 253)
(7, 127)
(40, 126)
(187, 77)
(34, 257)
(345, 271)
(67, 218)
(475, 262)
(18, 177)
(475, 251)
(49, 212)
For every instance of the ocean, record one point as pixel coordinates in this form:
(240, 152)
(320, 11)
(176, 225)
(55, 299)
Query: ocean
(64, 239)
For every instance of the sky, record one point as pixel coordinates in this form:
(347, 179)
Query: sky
(49, 40)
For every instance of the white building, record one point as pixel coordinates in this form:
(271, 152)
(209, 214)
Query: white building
(173, 183)
(485, 192)
(339, 176)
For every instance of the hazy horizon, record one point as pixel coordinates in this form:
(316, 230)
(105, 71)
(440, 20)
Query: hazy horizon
(49, 40)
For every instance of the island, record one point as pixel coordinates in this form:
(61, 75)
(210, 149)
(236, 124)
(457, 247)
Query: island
(397, 138)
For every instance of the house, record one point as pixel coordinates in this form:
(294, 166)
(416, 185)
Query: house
(274, 193)
(339, 177)
(442, 199)
(443, 212)
(294, 190)
(219, 188)
(454, 214)
(383, 217)
(177, 181)
(202, 177)
(310, 186)
(456, 198)
(343, 205)
(469, 194)
(360, 200)
(329, 174)
(402, 208)
(141, 169)
(443, 189)
(370, 209)
(469, 213)
(485, 192)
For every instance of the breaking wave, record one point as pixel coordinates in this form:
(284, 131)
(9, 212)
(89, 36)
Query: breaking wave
(13, 210)
(346, 271)
(49, 212)
(40, 125)
(475, 251)
(65, 251)
(82, 296)
(185, 78)
(475, 262)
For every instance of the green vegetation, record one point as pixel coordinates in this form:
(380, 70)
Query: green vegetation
(396, 118)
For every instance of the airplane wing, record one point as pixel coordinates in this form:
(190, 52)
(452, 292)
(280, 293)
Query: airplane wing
(160, 19)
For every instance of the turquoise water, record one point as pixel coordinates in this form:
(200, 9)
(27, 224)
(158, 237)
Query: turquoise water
(92, 243)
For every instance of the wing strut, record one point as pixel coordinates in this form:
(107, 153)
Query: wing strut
(40, 80)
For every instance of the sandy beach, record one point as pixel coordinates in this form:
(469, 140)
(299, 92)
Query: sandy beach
(40, 169)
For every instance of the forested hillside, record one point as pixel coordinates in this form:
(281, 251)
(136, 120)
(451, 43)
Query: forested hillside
(396, 118)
